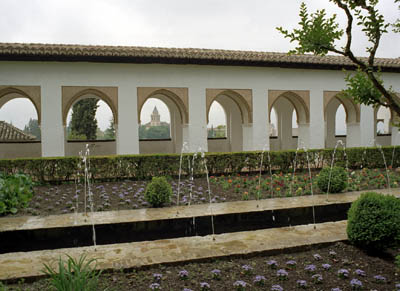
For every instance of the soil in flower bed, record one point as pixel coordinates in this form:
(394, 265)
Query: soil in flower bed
(259, 272)
(65, 198)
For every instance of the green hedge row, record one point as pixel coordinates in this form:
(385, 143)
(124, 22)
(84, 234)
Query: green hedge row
(146, 166)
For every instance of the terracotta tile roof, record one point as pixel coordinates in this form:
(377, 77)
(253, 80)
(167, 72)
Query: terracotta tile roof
(132, 54)
(9, 132)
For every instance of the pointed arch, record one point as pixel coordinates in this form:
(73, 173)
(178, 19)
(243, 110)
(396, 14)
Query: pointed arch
(72, 94)
(242, 97)
(351, 108)
(179, 96)
(8, 93)
(299, 99)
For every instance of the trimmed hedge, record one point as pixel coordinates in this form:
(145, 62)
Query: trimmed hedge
(146, 166)
(374, 221)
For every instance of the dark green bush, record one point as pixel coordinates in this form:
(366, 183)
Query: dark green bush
(335, 180)
(158, 192)
(15, 192)
(374, 221)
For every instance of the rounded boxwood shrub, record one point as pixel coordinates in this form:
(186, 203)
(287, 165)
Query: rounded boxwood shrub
(374, 221)
(158, 192)
(338, 179)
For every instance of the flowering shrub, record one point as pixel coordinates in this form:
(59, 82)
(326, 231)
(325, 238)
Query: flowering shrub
(157, 277)
(282, 274)
(240, 285)
(155, 286)
(216, 274)
(326, 267)
(359, 272)
(247, 269)
(343, 273)
(276, 288)
(317, 278)
(310, 268)
(356, 284)
(380, 279)
(291, 264)
(301, 284)
(205, 286)
(272, 264)
(183, 275)
(317, 257)
(259, 280)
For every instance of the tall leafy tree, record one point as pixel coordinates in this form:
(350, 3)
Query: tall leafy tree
(318, 33)
(83, 121)
(109, 133)
(33, 128)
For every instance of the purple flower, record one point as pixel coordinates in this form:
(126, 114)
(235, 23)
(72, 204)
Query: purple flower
(317, 278)
(240, 285)
(276, 288)
(360, 272)
(291, 263)
(356, 284)
(183, 274)
(157, 276)
(282, 274)
(326, 266)
(310, 268)
(247, 269)
(302, 284)
(343, 273)
(259, 280)
(336, 289)
(317, 257)
(332, 253)
(272, 264)
(205, 286)
(380, 279)
(216, 274)
(155, 286)
(187, 289)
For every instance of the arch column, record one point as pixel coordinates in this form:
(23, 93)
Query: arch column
(52, 121)
(367, 130)
(127, 129)
(317, 124)
(259, 135)
(196, 132)
(353, 134)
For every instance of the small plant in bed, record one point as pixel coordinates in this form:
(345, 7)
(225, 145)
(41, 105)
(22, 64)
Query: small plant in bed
(158, 192)
(15, 192)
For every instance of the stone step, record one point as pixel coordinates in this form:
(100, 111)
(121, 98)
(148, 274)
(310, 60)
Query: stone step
(137, 254)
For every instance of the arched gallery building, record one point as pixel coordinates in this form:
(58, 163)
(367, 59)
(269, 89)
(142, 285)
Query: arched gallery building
(302, 93)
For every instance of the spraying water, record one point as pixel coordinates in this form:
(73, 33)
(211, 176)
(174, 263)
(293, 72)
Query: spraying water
(209, 193)
(88, 190)
(311, 184)
(184, 147)
(339, 142)
(386, 168)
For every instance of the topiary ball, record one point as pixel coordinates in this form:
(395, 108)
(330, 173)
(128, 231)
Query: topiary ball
(338, 179)
(374, 221)
(158, 192)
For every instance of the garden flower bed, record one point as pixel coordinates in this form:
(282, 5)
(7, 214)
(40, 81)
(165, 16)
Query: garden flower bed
(65, 198)
(333, 267)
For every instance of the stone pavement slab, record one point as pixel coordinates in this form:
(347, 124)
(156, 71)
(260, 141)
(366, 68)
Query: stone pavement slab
(136, 254)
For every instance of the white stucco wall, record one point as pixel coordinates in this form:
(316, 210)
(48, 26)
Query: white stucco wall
(52, 75)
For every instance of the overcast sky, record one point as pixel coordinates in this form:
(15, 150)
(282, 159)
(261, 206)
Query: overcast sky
(218, 24)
